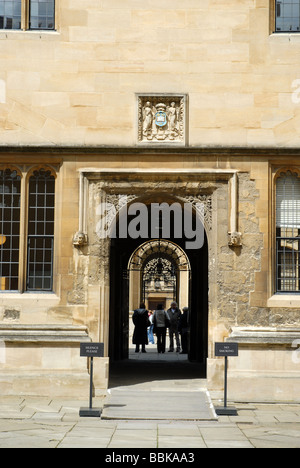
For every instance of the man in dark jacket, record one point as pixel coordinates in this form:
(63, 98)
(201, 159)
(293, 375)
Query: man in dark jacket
(174, 314)
(183, 329)
(140, 319)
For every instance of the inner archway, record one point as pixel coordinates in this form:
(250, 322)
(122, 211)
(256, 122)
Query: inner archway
(159, 273)
(158, 270)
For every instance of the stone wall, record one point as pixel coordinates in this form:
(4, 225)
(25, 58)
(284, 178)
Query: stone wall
(78, 85)
(236, 267)
(240, 299)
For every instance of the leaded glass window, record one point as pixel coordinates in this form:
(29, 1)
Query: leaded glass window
(287, 15)
(288, 233)
(10, 197)
(10, 14)
(27, 14)
(41, 14)
(40, 231)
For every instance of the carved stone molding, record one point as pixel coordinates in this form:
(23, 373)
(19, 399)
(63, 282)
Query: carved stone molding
(118, 188)
(162, 119)
(201, 203)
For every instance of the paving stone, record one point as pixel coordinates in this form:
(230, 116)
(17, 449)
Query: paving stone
(228, 433)
(43, 423)
(178, 431)
(229, 444)
(180, 442)
(84, 442)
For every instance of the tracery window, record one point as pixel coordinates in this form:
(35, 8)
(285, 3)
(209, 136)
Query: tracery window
(40, 231)
(288, 233)
(26, 229)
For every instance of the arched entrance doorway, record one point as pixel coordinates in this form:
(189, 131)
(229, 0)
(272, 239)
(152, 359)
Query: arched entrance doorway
(129, 286)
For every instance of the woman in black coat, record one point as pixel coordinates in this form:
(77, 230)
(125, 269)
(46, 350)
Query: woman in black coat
(141, 322)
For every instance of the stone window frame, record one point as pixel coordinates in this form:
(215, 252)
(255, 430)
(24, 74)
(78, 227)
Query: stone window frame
(25, 19)
(272, 21)
(25, 172)
(10, 239)
(277, 176)
(277, 299)
(40, 229)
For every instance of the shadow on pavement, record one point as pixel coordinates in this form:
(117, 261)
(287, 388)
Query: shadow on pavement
(151, 367)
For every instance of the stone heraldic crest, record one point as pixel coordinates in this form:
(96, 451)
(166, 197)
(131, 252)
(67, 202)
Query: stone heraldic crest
(161, 119)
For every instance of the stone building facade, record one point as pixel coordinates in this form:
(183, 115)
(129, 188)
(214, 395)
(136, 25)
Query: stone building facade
(113, 103)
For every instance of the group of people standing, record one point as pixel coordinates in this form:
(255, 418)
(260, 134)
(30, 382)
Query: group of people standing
(161, 320)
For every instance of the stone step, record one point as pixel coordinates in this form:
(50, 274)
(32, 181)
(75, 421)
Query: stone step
(132, 404)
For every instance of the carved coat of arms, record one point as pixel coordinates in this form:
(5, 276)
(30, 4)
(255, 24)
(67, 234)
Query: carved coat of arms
(161, 119)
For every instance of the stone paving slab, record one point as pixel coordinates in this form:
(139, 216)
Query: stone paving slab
(257, 426)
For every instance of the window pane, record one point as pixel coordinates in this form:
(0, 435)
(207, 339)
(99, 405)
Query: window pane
(287, 15)
(10, 196)
(10, 14)
(288, 233)
(40, 231)
(42, 14)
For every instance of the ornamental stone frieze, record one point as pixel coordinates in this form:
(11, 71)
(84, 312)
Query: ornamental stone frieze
(162, 119)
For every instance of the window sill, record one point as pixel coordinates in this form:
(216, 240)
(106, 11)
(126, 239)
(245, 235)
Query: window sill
(30, 296)
(263, 336)
(284, 300)
(28, 34)
(285, 37)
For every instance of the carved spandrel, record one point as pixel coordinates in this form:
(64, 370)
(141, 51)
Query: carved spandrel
(115, 203)
(203, 207)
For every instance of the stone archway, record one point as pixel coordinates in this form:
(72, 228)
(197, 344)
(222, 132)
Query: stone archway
(117, 190)
(126, 251)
